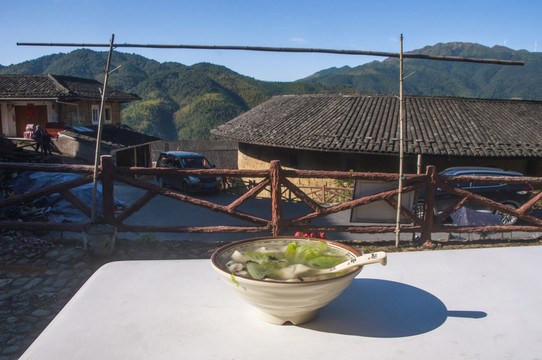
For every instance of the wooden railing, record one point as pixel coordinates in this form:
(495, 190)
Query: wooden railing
(274, 182)
(324, 194)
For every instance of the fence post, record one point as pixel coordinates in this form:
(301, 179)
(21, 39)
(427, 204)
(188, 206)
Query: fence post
(108, 196)
(276, 197)
(429, 202)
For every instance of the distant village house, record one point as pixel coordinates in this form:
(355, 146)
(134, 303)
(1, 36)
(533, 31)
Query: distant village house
(69, 109)
(361, 133)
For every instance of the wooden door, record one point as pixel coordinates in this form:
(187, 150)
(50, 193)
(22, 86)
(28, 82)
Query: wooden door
(36, 115)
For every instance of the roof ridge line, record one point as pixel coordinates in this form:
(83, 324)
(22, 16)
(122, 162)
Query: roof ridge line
(59, 85)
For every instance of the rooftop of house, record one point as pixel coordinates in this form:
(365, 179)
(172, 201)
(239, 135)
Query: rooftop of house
(47, 86)
(370, 124)
(114, 136)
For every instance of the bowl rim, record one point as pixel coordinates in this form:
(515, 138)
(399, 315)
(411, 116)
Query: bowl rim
(217, 251)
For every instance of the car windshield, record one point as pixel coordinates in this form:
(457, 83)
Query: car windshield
(195, 163)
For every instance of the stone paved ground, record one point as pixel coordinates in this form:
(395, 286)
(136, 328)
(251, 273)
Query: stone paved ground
(38, 277)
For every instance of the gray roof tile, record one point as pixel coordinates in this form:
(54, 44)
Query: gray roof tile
(369, 124)
(47, 86)
(115, 136)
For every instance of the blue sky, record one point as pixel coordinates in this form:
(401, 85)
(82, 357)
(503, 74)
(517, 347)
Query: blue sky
(335, 24)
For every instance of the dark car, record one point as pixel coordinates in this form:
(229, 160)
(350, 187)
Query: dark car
(187, 161)
(514, 195)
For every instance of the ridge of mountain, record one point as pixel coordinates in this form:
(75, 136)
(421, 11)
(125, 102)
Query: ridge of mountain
(445, 78)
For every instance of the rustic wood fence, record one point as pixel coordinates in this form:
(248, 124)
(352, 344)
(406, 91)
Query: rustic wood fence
(274, 181)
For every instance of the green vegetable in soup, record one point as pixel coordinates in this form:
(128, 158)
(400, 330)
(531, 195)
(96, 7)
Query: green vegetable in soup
(305, 252)
(263, 271)
(264, 257)
(256, 271)
(234, 280)
(291, 250)
(264, 263)
(257, 257)
(324, 262)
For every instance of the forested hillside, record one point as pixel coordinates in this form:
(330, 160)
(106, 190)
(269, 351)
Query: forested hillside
(185, 102)
(442, 78)
(179, 101)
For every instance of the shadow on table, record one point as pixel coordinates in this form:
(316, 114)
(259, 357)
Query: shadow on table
(381, 308)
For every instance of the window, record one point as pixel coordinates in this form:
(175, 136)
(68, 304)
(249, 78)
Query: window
(174, 161)
(95, 114)
(107, 115)
(108, 118)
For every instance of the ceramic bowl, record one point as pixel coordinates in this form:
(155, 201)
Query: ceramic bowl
(279, 302)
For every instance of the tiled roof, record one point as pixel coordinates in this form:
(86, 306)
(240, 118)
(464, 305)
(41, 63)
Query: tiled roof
(369, 124)
(114, 136)
(57, 87)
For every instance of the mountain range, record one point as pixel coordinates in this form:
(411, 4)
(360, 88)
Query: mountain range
(445, 78)
(185, 102)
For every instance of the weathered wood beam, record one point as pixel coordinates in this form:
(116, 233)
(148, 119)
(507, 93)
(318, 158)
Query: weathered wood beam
(248, 195)
(301, 195)
(65, 168)
(193, 229)
(76, 202)
(136, 206)
(48, 190)
(275, 178)
(489, 203)
(41, 226)
(188, 199)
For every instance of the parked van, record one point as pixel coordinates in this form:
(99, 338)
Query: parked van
(187, 161)
(514, 195)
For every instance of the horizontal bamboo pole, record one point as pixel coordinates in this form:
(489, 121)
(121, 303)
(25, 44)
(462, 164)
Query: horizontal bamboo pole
(287, 50)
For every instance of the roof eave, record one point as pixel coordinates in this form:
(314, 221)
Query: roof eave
(135, 146)
(28, 99)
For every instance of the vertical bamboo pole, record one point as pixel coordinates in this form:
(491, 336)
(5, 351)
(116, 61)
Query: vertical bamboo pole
(99, 131)
(401, 150)
(108, 197)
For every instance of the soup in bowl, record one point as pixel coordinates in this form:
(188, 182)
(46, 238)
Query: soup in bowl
(254, 268)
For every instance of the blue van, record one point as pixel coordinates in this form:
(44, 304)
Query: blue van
(514, 195)
(187, 161)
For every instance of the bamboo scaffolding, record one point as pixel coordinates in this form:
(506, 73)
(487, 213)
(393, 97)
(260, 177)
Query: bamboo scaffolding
(399, 55)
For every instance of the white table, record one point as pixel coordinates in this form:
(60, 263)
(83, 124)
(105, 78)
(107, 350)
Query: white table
(450, 304)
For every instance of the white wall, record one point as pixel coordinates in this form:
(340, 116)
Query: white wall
(7, 109)
(8, 119)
